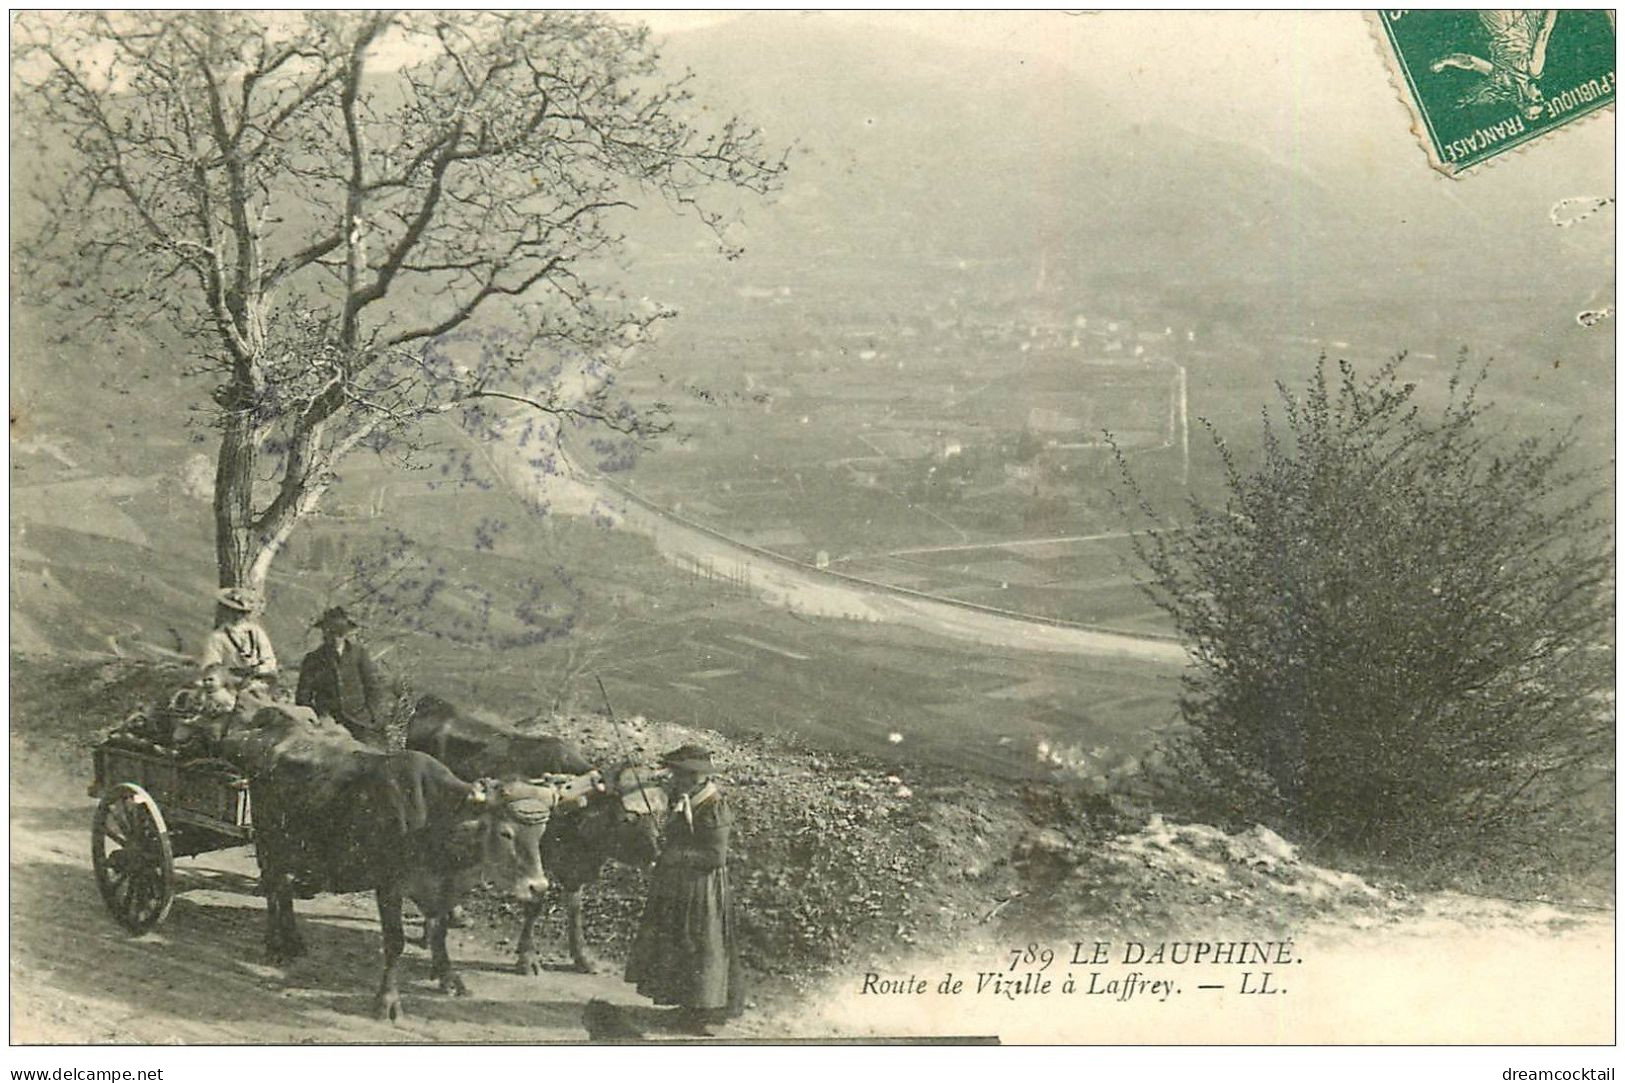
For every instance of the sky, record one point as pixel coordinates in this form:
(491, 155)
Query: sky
(1167, 64)
(1306, 87)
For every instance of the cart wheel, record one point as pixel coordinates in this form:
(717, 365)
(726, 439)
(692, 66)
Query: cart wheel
(130, 850)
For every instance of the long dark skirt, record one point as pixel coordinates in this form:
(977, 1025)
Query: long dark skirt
(686, 952)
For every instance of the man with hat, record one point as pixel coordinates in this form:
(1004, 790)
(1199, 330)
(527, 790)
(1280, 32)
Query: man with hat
(238, 641)
(338, 679)
(686, 953)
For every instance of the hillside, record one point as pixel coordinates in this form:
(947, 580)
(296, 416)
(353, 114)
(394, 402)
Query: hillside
(842, 864)
(1058, 159)
(527, 608)
(1048, 168)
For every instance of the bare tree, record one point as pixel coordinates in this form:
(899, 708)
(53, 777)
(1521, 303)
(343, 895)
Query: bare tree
(359, 219)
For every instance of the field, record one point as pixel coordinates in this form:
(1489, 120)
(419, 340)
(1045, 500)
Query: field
(1086, 581)
(693, 651)
(863, 435)
(520, 614)
(821, 411)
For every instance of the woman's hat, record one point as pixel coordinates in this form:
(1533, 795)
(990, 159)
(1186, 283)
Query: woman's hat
(337, 620)
(242, 599)
(689, 758)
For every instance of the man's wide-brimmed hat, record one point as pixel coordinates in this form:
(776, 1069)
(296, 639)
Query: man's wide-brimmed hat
(242, 599)
(689, 758)
(337, 620)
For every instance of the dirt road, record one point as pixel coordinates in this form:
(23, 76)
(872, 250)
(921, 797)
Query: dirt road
(777, 580)
(1445, 968)
(77, 977)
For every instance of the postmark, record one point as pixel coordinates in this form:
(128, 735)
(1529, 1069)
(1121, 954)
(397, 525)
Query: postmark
(1482, 83)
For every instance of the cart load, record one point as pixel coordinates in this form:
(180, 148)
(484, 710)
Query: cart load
(172, 780)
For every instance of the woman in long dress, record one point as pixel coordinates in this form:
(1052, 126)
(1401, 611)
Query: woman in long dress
(686, 953)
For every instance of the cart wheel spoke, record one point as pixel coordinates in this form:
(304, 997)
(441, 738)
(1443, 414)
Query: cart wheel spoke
(123, 892)
(141, 896)
(155, 898)
(118, 868)
(132, 857)
(117, 825)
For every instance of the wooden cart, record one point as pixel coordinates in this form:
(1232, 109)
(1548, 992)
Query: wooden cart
(156, 805)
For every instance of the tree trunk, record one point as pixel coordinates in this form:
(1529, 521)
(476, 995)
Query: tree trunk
(235, 545)
(246, 544)
(268, 545)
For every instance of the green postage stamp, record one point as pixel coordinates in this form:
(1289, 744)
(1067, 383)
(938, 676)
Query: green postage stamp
(1481, 83)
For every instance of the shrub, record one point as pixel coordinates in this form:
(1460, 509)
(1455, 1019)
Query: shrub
(1401, 623)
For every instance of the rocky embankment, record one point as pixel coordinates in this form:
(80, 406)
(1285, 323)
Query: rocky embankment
(841, 861)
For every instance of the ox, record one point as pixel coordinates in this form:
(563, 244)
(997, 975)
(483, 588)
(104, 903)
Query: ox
(333, 815)
(620, 819)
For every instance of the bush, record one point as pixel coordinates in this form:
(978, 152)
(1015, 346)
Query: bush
(1401, 626)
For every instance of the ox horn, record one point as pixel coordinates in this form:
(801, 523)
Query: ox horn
(481, 792)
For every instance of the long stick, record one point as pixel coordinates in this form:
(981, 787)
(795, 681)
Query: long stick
(616, 726)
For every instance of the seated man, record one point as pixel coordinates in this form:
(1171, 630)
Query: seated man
(339, 680)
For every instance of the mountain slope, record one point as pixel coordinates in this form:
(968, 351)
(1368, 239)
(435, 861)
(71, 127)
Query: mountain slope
(912, 152)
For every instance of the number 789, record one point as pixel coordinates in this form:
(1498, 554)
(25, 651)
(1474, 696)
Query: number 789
(1032, 956)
